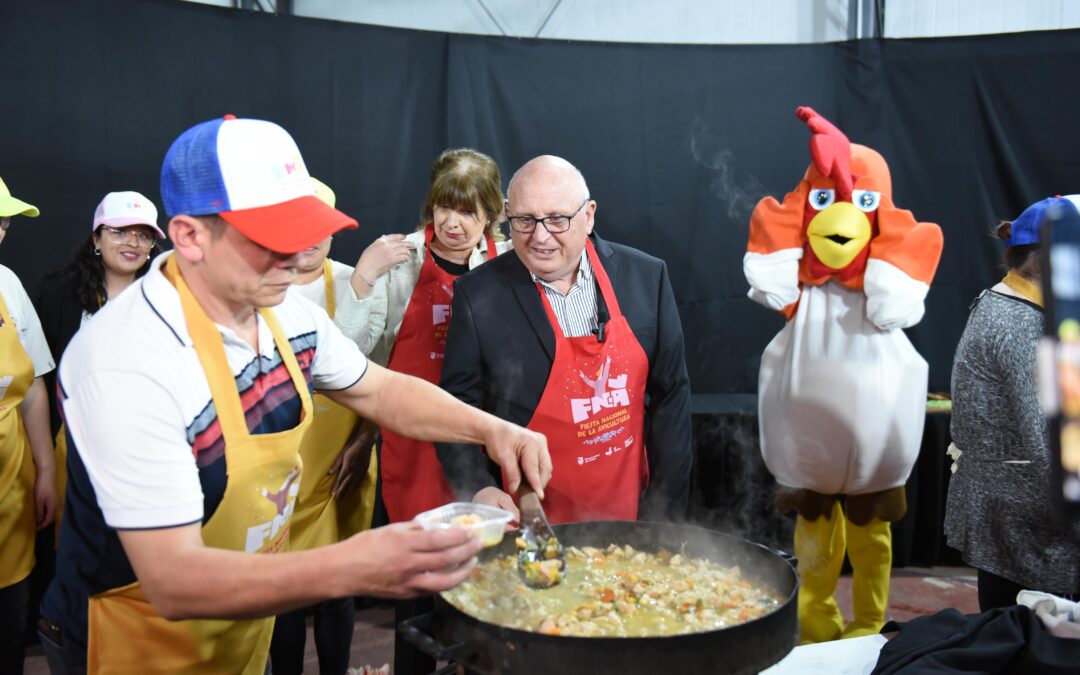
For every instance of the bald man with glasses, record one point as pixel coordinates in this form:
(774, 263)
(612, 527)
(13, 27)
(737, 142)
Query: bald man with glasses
(580, 339)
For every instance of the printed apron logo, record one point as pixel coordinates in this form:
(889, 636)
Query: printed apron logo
(440, 314)
(608, 392)
(284, 501)
(440, 320)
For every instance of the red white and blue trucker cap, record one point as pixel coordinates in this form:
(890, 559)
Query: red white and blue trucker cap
(250, 173)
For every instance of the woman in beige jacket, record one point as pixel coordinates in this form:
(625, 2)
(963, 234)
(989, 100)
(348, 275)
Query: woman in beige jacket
(387, 271)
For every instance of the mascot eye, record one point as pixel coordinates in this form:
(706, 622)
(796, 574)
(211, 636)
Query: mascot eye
(821, 199)
(865, 200)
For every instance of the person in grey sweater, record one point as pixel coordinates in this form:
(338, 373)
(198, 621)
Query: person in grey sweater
(999, 513)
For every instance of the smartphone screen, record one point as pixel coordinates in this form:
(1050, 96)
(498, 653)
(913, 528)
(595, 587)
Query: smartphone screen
(1059, 353)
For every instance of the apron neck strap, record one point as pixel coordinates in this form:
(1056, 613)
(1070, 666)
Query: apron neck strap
(328, 281)
(211, 352)
(603, 281)
(606, 292)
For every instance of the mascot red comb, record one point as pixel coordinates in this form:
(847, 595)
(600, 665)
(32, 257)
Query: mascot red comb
(842, 393)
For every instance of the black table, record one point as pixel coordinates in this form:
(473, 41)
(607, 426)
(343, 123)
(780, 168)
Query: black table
(732, 491)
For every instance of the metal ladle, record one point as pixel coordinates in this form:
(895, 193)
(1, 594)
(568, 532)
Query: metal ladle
(541, 558)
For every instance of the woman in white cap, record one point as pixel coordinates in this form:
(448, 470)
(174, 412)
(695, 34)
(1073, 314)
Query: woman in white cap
(27, 466)
(123, 239)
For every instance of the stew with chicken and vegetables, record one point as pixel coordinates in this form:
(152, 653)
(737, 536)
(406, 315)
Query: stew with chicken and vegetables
(617, 591)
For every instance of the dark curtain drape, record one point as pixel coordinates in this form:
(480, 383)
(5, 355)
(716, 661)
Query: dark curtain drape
(677, 142)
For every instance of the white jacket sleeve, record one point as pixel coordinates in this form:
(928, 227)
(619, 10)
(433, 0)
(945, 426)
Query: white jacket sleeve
(364, 320)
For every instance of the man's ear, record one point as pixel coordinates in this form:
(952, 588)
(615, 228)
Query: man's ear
(188, 235)
(590, 216)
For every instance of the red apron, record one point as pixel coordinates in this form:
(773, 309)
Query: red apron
(412, 478)
(593, 414)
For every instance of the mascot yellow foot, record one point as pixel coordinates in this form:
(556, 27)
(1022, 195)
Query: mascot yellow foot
(869, 548)
(820, 545)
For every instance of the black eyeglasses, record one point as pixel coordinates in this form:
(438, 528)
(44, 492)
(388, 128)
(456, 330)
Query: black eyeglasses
(553, 224)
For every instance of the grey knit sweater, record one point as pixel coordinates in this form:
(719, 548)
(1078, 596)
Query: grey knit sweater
(999, 512)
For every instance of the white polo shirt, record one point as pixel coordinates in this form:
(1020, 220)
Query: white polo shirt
(138, 406)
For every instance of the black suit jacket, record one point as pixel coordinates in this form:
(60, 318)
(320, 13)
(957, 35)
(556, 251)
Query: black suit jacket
(500, 349)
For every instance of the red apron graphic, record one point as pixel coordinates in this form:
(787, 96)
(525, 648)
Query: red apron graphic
(413, 479)
(593, 414)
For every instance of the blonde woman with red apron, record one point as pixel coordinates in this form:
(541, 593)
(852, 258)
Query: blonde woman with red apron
(413, 479)
(400, 312)
(124, 633)
(593, 414)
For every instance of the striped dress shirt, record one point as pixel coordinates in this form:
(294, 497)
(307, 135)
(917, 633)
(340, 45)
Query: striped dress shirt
(576, 311)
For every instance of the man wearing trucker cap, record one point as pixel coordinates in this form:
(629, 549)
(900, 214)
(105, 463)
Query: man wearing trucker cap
(185, 401)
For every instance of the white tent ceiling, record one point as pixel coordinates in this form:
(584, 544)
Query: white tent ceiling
(692, 21)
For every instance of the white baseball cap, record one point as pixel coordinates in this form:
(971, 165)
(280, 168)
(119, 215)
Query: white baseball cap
(123, 209)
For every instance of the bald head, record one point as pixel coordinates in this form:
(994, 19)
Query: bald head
(547, 188)
(549, 174)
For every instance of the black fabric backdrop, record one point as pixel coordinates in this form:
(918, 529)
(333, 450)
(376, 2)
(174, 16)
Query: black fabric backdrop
(677, 142)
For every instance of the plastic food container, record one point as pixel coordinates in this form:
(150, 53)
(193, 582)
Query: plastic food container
(487, 521)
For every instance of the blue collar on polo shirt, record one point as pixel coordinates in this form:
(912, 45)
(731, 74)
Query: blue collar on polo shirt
(163, 298)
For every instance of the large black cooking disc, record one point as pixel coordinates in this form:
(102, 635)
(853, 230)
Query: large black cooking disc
(746, 648)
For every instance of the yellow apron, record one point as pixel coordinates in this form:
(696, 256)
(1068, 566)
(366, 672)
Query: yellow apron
(320, 519)
(17, 521)
(124, 633)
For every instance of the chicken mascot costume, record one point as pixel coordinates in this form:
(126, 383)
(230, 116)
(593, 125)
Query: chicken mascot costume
(842, 393)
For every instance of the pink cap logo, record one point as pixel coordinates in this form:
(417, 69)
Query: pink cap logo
(283, 171)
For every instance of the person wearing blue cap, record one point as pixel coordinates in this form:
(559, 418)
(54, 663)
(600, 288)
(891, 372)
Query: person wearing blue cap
(999, 513)
(186, 400)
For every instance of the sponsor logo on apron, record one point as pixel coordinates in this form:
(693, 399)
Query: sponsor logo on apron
(284, 498)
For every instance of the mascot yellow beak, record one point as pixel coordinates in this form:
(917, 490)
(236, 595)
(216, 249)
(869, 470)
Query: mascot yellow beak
(838, 234)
